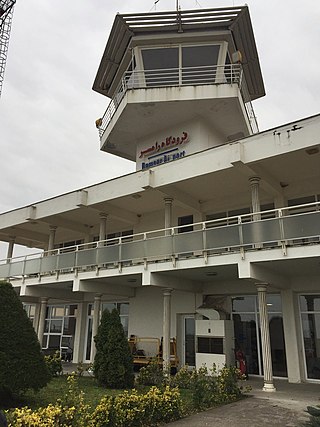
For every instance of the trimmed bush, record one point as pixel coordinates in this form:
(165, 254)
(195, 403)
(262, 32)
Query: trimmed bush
(129, 409)
(151, 374)
(314, 412)
(54, 364)
(21, 361)
(113, 364)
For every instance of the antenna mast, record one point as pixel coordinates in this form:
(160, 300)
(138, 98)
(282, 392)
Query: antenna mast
(6, 11)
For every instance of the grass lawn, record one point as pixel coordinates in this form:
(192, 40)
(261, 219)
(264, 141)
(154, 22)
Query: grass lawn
(58, 387)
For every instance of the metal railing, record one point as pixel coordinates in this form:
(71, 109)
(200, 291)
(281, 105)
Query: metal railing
(297, 225)
(168, 77)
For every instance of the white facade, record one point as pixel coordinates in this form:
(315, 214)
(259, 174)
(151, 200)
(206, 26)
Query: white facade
(221, 222)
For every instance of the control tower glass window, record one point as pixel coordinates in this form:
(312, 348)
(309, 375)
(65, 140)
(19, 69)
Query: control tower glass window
(161, 66)
(199, 64)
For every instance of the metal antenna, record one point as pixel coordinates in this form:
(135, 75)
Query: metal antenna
(6, 10)
(154, 7)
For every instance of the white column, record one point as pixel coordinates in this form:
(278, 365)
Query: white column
(103, 226)
(168, 213)
(52, 236)
(292, 340)
(166, 328)
(10, 248)
(95, 324)
(255, 198)
(42, 318)
(78, 346)
(36, 317)
(265, 338)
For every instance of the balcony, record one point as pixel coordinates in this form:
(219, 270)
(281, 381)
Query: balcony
(280, 228)
(221, 78)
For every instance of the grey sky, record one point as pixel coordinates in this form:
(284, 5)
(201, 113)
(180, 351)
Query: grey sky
(49, 143)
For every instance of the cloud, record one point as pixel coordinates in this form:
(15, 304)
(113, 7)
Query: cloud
(49, 144)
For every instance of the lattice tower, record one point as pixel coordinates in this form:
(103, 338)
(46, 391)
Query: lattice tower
(6, 11)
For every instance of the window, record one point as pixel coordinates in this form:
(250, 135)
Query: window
(161, 66)
(125, 235)
(184, 221)
(310, 319)
(123, 309)
(210, 345)
(199, 64)
(30, 310)
(60, 327)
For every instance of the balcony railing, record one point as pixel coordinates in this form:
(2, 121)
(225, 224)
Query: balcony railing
(298, 225)
(201, 75)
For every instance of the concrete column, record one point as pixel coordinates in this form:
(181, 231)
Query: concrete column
(103, 226)
(265, 338)
(168, 213)
(255, 199)
(42, 318)
(10, 248)
(291, 336)
(78, 346)
(52, 236)
(166, 328)
(36, 317)
(95, 324)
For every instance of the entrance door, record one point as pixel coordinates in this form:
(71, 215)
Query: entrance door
(188, 340)
(245, 316)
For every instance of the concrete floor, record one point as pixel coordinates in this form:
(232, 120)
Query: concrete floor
(283, 408)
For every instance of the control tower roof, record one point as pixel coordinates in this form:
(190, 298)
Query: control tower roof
(128, 26)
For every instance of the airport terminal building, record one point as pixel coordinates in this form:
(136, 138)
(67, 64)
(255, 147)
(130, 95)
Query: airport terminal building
(214, 240)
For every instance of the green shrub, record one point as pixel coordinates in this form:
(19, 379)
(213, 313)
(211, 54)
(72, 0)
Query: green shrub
(21, 360)
(54, 364)
(314, 412)
(228, 388)
(182, 379)
(70, 411)
(129, 409)
(151, 374)
(113, 364)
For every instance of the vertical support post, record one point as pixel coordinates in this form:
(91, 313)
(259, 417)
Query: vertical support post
(36, 317)
(168, 214)
(265, 338)
(79, 335)
(255, 198)
(10, 248)
(103, 226)
(42, 318)
(293, 344)
(166, 328)
(95, 323)
(52, 236)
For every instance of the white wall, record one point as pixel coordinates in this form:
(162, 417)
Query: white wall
(146, 311)
(200, 137)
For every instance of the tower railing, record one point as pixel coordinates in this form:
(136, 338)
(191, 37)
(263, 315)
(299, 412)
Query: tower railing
(277, 228)
(177, 77)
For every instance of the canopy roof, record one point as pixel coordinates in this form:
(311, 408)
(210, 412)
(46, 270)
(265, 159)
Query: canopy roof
(128, 26)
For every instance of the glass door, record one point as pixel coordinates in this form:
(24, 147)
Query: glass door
(246, 319)
(189, 339)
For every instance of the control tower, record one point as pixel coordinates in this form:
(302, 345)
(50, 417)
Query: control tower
(180, 82)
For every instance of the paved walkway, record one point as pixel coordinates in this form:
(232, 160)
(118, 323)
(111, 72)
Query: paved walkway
(283, 408)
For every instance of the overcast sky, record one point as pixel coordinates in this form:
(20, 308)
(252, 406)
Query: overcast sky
(49, 143)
